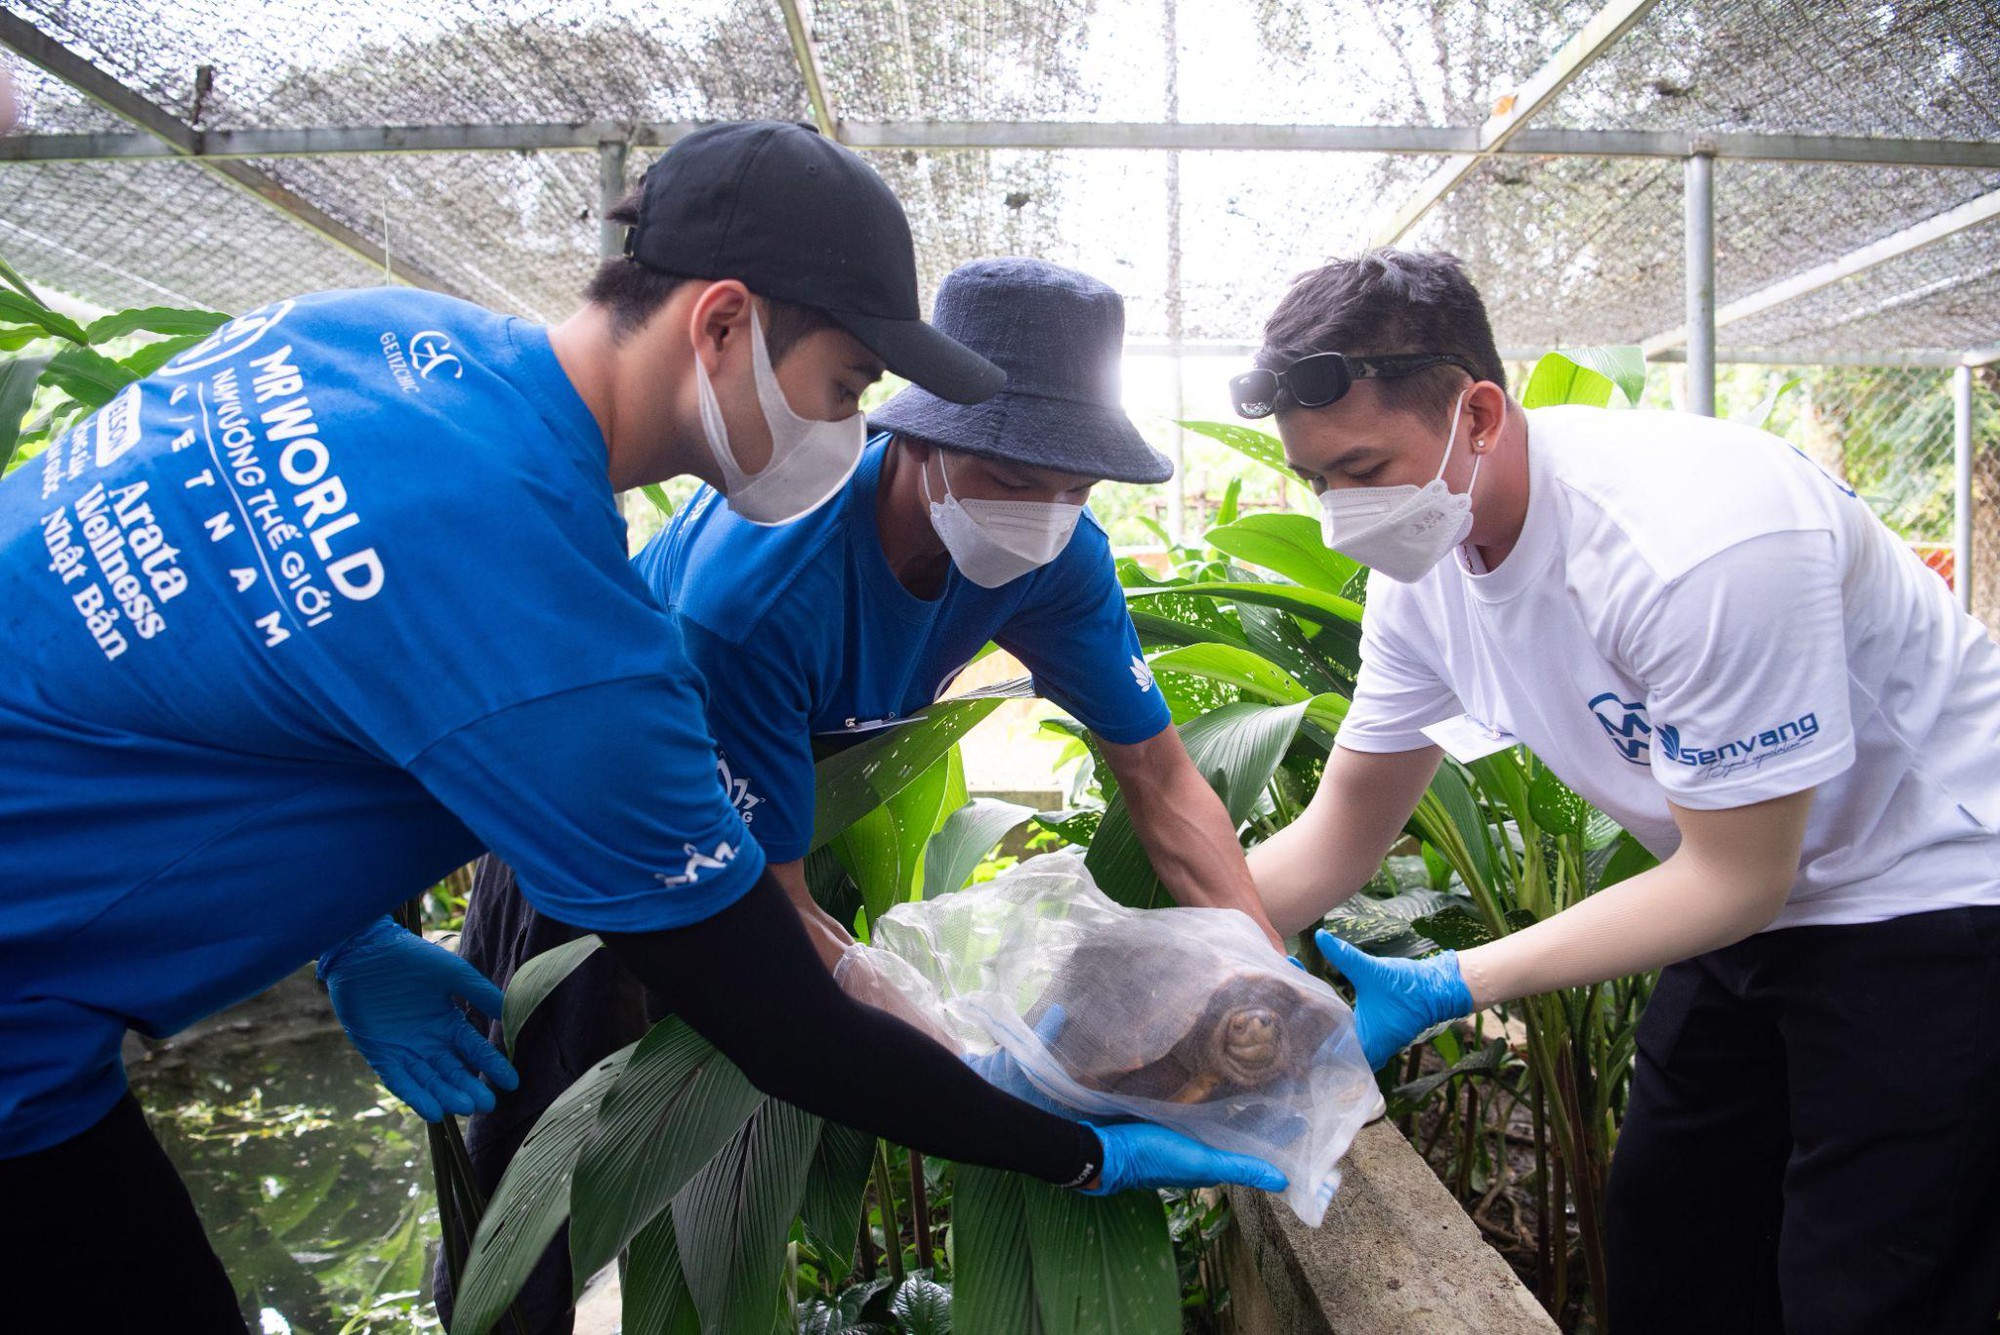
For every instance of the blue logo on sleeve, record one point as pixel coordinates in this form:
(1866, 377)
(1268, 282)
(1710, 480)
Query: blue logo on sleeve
(1746, 752)
(1625, 723)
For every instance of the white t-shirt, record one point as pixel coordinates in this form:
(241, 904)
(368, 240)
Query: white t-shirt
(1696, 611)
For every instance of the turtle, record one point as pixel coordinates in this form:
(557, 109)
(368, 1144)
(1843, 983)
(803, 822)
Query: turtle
(1149, 1013)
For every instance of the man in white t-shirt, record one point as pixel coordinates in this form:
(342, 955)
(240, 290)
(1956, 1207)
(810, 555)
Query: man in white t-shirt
(1720, 646)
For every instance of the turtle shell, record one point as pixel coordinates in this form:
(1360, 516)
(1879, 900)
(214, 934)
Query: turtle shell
(1152, 1014)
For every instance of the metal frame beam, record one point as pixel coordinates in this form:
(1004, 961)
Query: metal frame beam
(1421, 140)
(1514, 111)
(1972, 213)
(1698, 279)
(183, 141)
(1961, 499)
(805, 48)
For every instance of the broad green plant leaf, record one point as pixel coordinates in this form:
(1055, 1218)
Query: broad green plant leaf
(169, 320)
(1628, 859)
(1247, 671)
(1386, 927)
(851, 783)
(657, 494)
(1042, 1260)
(155, 355)
(1339, 617)
(1232, 500)
(1554, 806)
(1489, 1060)
(533, 981)
(966, 837)
(19, 310)
(1586, 376)
(656, 1297)
(1236, 748)
(884, 850)
(18, 378)
(1102, 1265)
(1289, 545)
(89, 377)
(1454, 927)
(836, 1183)
(1261, 446)
(1759, 414)
(733, 1217)
(532, 1200)
(677, 1103)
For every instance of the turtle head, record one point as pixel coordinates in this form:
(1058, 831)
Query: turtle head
(1251, 1042)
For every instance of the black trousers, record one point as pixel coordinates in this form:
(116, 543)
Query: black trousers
(1813, 1144)
(98, 1236)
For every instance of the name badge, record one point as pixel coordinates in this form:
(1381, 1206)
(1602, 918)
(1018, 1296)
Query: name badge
(1465, 739)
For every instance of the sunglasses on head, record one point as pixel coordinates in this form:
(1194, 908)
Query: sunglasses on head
(1321, 378)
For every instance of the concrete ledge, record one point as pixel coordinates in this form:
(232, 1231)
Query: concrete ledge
(1396, 1254)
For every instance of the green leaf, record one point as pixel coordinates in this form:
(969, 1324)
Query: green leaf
(1325, 609)
(170, 320)
(656, 1297)
(1448, 807)
(1251, 443)
(1455, 927)
(15, 337)
(17, 309)
(1102, 1265)
(1628, 859)
(18, 378)
(849, 784)
(677, 1103)
(1759, 415)
(1488, 1060)
(1236, 748)
(884, 850)
(1554, 806)
(1290, 545)
(922, 1306)
(993, 1287)
(155, 355)
(532, 1200)
(1241, 668)
(836, 1184)
(88, 377)
(966, 837)
(657, 494)
(1586, 376)
(1386, 927)
(734, 1217)
(1232, 499)
(540, 976)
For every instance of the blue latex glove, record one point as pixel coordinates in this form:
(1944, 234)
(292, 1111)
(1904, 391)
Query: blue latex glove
(999, 1069)
(1139, 1154)
(1395, 1000)
(394, 994)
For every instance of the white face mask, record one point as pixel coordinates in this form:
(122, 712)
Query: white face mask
(1401, 531)
(995, 542)
(810, 460)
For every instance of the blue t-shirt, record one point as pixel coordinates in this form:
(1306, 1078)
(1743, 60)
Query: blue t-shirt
(804, 630)
(290, 629)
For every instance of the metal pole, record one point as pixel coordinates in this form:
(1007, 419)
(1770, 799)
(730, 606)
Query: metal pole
(610, 189)
(1961, 501)
(1177, 441)
(1699, 201)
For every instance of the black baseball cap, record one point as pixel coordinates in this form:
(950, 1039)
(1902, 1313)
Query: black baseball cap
(795, 217)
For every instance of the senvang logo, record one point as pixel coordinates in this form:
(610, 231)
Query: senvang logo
(1626, 724)
(1735, 753)
(1142, 673)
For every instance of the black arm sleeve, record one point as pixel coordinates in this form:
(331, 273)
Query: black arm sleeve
(748, 981)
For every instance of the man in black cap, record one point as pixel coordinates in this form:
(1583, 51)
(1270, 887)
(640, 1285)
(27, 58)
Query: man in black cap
(964, 524)
(257, 688)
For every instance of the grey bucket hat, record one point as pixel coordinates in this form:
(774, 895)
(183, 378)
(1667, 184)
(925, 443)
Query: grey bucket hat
(1058, 335)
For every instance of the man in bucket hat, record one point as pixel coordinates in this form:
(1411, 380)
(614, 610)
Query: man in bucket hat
(256, 689)
(964, 524)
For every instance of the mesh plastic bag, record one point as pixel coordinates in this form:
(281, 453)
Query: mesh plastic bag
(1185, 1017)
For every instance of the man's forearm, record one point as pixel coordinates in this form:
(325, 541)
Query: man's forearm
(1186, 831)
(829, 939)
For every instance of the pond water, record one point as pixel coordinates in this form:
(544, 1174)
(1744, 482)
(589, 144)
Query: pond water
(314, 1183)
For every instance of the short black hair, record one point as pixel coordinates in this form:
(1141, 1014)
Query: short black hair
(632, 292)
(1389, 301)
